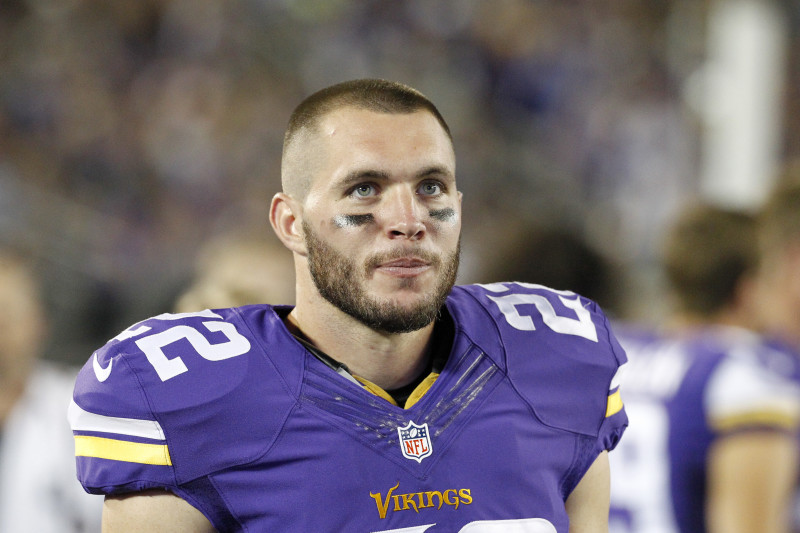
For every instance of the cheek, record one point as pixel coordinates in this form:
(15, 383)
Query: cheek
(447, 222)
(447, 215)
(352, 221)
(344, 234)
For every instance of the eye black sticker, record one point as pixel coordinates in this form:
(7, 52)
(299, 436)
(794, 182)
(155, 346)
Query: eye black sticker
(352, 221)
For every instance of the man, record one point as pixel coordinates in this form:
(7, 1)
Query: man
(37, 480)
(778, 277)
(714, 408)
(237, 269)
(386, 399)
(779, 272)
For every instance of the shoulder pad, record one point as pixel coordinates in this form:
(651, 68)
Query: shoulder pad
(188, 382)
(556, 347)
(753, 385)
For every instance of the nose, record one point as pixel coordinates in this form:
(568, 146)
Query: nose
(404, 215)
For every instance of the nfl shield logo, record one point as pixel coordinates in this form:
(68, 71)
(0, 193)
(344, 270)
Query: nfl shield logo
(415, 441)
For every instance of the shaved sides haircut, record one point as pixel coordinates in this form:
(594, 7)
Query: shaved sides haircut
(380, 96)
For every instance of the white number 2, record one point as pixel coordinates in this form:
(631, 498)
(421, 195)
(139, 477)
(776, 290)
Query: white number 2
(153, 345)
(582, 326)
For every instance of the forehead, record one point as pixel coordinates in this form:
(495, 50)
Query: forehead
(356, 120)
(398, 141)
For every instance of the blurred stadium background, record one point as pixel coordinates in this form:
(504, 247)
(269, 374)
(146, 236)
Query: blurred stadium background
(132, 131)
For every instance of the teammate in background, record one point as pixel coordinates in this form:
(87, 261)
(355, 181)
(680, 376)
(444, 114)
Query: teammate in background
(558, 258)
(779, 274)
(713, 406)
(240, 269)
(386, 398)
(37, 473)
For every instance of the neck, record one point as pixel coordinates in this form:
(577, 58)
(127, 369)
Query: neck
(389, 360)
(728, 316)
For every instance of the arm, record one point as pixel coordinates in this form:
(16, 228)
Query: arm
(144, 512)
(587, 506)
(750, 482)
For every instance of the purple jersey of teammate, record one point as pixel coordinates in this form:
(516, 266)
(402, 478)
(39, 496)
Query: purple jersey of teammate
(681, 394)
(226, 409)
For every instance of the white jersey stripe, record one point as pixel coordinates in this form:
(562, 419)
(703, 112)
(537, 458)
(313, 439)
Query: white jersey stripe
(81, 420)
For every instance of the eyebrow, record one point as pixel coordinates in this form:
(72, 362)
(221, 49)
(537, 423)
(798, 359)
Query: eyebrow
(438, 171)
(357, 176)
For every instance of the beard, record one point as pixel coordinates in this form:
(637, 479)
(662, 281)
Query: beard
(338, 280)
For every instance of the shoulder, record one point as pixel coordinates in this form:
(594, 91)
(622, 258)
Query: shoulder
(170, 389)
(754, 384)
(521, 317)
(660, 365)
(557, 348)
(636, 337)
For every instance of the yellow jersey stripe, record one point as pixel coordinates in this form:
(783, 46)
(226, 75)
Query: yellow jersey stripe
(413, 398)
(776, 419)
(421, 389)
(376, 390)
(614, 404)
(122, 450)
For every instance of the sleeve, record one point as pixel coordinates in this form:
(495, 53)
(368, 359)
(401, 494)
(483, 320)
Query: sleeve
(562, 357)
(615, 420)
(745, 394)
(119, 444)
(167, 401)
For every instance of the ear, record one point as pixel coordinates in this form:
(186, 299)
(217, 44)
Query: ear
(285, 216)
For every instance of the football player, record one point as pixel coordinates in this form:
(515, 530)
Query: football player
(714, 407)
(779, 272)
(37, 480)
(386, 399)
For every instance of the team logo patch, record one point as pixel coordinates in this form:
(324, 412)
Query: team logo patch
(415, 442)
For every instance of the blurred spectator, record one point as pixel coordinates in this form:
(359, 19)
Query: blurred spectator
(133, 125)
(239, 269)
(714, 408)
(38, 489)
(558, 258)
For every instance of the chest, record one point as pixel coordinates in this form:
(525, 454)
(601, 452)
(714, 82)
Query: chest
(341, 466)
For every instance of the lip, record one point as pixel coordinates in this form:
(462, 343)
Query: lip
(405, 267)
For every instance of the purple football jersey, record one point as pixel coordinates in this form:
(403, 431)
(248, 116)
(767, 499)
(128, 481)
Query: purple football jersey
(681, 394)
(230, 412)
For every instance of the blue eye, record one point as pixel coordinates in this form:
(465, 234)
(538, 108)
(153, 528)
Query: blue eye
(430, 188)
(364, 190)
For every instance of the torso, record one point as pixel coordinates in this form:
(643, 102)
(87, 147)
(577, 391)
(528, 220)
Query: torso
(273, 439)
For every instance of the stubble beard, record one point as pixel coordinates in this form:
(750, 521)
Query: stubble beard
(340, 281)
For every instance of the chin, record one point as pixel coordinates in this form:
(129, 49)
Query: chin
(405, 290)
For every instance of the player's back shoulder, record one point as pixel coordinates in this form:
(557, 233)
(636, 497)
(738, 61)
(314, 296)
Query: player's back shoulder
(754, 384)
(556, 347)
